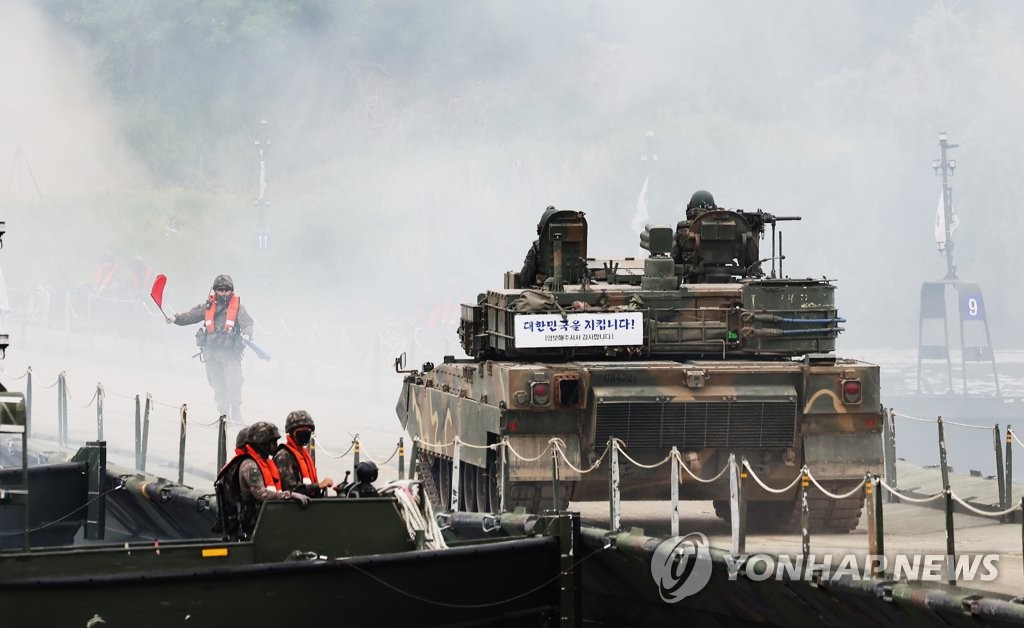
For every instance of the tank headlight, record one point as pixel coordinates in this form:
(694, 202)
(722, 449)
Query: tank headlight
(851, 391)
(540, 393)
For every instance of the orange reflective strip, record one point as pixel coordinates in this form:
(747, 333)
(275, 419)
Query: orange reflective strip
(214, 552)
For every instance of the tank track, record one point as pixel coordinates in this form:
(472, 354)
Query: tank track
(824, 513)
(535, 497)
(427, 477)
(830, 515)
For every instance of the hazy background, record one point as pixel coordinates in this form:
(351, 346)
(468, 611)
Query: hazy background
(415, 144)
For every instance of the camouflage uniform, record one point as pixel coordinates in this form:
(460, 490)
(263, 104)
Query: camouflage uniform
(287, 465)
(222, 351)
(682, 251)
(528, 275)
(241, 489)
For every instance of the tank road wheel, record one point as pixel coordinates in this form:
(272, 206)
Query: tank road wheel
(467, 487)
(491, 479)
(481, 489)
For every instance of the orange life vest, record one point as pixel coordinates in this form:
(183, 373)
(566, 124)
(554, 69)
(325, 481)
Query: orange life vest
(104, 277)
(271, 477)
(307, 468)
(229, 320)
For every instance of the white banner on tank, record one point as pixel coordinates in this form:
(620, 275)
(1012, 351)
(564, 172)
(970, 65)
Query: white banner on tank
(584, 329)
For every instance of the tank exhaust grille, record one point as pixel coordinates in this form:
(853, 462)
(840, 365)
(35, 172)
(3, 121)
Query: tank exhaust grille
(699, 424)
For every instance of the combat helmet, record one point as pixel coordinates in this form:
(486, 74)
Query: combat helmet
(701, 199)
(242, 438)
(223, 280)
(262, 432)
(297, 419)
(366, 472)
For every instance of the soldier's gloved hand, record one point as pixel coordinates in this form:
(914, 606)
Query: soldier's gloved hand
(299, 497)
(170, 319)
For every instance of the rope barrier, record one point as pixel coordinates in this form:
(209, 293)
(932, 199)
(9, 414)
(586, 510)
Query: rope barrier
(373, 459)
(95, 394)
(694, 476)
(326, 450)
(983, 513)
(616, 443)
(777, 491)
(846, 495)
(912, 500)
(944, 421)
(1016, 439)
(524, 458)
(286, 330)
(559, 444)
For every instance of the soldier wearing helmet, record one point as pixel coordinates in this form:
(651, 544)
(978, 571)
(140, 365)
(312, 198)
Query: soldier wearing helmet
(250, 479)
(682, 249)
(296, 465)
(366, 475)
(226, 325)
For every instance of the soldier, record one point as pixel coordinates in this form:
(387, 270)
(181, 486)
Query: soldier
(366, 475)
(247, 481)
(298, 471)
(221, 341)
(530, 276)
(701, 201)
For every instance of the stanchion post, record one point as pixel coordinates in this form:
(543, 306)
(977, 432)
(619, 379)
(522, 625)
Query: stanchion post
(145, 430)
(138, 432)
(614, 498)
(183, 413)
(1009, 472)
(943, 466)
(555, 493)
(805, 517)
(506, 484)
(355, 453)
(950, 538)
(28, 405)
(889, 450)
(401, 458)
(99, 411)
(997, 443)
(879, 528)
(222, 442)
(62, 401)
(674, 483)
(456, 477)
(738, 540)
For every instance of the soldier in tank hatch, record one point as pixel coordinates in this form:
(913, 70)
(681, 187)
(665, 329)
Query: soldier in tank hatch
(221, 339)
(295, 464)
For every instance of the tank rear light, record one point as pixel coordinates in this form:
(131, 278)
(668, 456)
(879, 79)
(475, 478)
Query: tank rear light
(851, 391)
(540, 393)
(870, 422)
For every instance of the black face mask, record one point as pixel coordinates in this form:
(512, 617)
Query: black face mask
(266, 449)
(302, 437)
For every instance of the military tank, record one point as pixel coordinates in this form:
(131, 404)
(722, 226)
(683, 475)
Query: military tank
(694, 347)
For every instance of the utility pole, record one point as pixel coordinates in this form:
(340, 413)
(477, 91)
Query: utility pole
(946, 167)
(262, 231)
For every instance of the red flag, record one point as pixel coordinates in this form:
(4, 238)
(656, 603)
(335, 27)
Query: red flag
(158, 290)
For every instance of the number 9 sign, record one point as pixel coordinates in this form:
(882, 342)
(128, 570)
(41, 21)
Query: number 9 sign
(972, 307)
